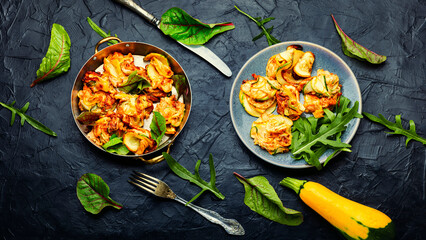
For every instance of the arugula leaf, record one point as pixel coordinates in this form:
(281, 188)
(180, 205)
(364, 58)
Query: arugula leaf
(101, 32)
(397, 127)
(261, 197)
(93, 193)
(25, 118)
(115, 145)
(354, 50)
(195, 178)
(182, 27)
(57, 59)
(158, 127)
(312, 137)
(265, 32)
(134, 81)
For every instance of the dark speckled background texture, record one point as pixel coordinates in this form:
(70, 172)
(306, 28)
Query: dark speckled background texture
(38, 173)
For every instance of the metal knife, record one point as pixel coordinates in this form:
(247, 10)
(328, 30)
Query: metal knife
(201, 50)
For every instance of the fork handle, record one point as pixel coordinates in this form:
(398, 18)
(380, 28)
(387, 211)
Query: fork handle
(231, 226)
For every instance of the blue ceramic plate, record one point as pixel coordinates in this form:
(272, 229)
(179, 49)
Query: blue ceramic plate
(324, 59)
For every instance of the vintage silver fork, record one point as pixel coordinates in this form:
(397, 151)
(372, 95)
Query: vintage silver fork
(161, 189)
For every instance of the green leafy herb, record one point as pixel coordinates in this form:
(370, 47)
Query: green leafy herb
(354, 50)
(134, 81)
(57, 59)
(312, 136)
(182, 27)
(101, 32)
(397, 127)
(88, 118)
(180, 84)
(261, 197)
(195, 178)
(158, 127)
(265, 31)
(93, 193)
(25, 118)
(115, 145)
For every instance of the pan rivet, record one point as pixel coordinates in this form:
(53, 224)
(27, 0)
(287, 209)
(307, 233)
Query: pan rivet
(127, 45)
(94, 59)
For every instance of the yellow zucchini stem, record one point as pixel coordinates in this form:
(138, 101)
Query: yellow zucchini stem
(293, 183)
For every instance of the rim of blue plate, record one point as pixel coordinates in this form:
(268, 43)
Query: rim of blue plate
(348, 136)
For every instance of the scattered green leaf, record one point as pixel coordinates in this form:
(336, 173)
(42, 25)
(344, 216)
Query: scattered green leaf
(312, 137)
(101, 32)
(21, 113)
(88, 117)
(182, 27)
(115, 145)
(158, 127)
(57, 59)
(93, 193)
(265, 31)
(261, 197)
(397, 127)
(180, 84)
(134, 81)
(354, 50)
(195, 178)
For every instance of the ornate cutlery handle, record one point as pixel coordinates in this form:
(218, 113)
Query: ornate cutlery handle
(139, 10)
(231, 226)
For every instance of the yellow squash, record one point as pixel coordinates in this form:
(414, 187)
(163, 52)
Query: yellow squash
(354, 220)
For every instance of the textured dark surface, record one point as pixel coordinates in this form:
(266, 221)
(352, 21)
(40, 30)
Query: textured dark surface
(38, 173)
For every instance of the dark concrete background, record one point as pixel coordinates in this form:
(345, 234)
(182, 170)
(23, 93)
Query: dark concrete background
(38, 173)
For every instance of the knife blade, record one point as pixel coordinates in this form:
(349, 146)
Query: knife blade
(200, 50)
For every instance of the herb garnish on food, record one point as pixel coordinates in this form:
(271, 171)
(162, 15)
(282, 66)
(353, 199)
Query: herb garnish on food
(354, 50)
(57, 59)
(25, 118)
(158, 127)
(115, 145)
(397, 127)
(134, 82)
(93, 193)
(195, 178)
(312, 136)
(101, 32)
(265, 31)
(261, 197)
(182, 27)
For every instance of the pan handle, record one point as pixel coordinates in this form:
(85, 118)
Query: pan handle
(158, 158)
(105, 40)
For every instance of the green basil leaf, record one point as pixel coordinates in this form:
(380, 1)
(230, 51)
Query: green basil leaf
(261, 197)
(182, 27)
(101, 32)
(354, 50)
(183, 173)
(93, 193)
(133, 82)
(158, 127)
(397, 127)
(57, 59)
(21, 113)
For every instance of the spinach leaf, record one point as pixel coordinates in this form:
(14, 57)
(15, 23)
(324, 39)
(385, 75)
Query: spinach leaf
(182, 27)
(134, 81)
(93, 193)
(354, 50)
(397, 127)
(195, 178)
(57, 59)
(265, 31)
(88, 118)
(180, 83)
(25, 118)
(101, 32)
(261, 197)
(158, 127)
(312, 137)
(115, 145)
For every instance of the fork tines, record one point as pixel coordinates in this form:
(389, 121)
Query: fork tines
(144, 181)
